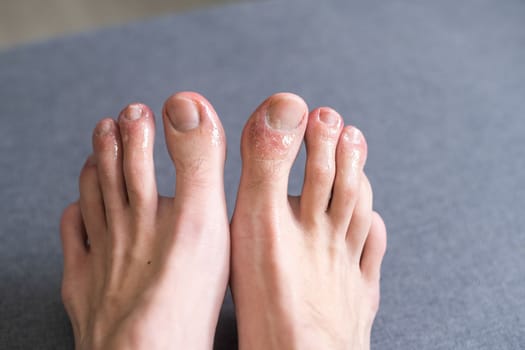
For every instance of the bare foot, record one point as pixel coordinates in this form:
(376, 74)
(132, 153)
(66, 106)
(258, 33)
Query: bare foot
(143, 271)
(305, 270)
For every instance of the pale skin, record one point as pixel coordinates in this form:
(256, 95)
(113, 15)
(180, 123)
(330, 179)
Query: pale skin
(142, 271)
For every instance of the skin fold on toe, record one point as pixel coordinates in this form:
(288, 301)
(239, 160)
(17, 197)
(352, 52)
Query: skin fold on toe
(305, 270)
(139, 268)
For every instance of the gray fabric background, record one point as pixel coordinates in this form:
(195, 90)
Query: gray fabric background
(438, 87)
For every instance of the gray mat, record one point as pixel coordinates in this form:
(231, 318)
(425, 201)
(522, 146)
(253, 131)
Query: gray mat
(437, 87)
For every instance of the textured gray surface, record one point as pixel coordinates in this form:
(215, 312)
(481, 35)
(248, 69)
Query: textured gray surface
(437, 87)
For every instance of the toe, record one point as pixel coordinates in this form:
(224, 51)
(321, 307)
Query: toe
(73, 236)
(361, 220)
(197, 146)
(270, 142)
(75, 251)
(322, 134)
(107, 146)
(91, 203)
(350, 160)
(137, 130)
(374, 249)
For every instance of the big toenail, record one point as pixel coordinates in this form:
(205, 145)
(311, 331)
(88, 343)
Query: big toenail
(284, 114)
(328, 117)
(183, 114)
(354, 136)
(134, 112)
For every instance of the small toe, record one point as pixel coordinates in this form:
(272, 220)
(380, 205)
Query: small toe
(270, 142)
(322, 134)
(137, 130)
(73, 237)
(75, 252)
(361, 220)
(350, 160)
(91, 202)
(374, 250)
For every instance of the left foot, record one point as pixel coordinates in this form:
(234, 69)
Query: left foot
(305, 270)
(143, 271)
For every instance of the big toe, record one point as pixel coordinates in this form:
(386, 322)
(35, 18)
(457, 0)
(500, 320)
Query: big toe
(197, 146)
(270, 142)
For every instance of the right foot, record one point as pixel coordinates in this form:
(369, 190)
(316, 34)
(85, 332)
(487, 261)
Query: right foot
(305, 270)
(143, 271)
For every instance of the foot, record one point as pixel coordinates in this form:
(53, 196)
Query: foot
(143, 271)
(305, 270)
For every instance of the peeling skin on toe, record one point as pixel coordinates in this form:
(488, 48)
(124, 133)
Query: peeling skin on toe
(270, 143)
(115, 149)
(106, 130)
(216, 135)
(356, 147)
(287, 140)
(355, 157)
(146, 135)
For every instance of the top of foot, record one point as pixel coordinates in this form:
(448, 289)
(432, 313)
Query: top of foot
(305, 270)
(139, 269)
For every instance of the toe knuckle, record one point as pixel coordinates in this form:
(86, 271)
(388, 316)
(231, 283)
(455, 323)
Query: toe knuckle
(363, 216)
(195, 171)
(69, 214)
(267, 169)
(321, 172)
(138, 197)
(195, 166)
(350, 189)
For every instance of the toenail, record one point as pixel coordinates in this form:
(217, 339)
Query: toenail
(104, 128)
(328, 117)
(183, 114)
(354, 136)
(284, 114)
(134, 112)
